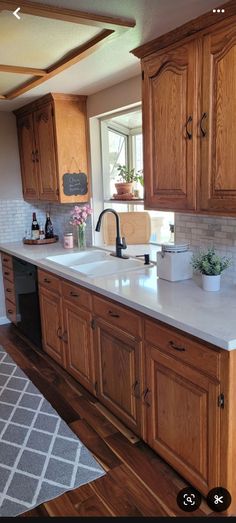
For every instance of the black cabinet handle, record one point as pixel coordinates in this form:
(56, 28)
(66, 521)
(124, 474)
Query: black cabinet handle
(113, 314)
(6, 273)
(46, 280)
(144, 394)
(59, 335)
(9, 311)
(203, 131)
(9, 290)
(74, 294)
(173, 345)
(188, 133)
(134, 389)
(33, 156)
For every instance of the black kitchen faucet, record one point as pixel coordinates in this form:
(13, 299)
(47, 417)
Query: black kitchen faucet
(120, 242)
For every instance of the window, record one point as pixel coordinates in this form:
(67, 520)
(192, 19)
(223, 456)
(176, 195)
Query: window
(122, 143)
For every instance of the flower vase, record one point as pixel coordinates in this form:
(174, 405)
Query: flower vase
(81, 235)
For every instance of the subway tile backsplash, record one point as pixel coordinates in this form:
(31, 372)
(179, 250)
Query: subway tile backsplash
(16, 219)
(209, 231)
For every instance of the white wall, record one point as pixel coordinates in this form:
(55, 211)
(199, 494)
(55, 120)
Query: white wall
(120, 96)
(10, 179)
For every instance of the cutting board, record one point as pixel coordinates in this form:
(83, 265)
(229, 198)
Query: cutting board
(135, 227)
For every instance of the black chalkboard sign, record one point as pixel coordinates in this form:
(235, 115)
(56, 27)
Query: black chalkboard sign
(75, 184)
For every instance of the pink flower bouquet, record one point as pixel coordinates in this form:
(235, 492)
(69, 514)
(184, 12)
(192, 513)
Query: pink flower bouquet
(79, 215)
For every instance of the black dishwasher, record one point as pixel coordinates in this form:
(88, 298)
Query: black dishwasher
(27, 300)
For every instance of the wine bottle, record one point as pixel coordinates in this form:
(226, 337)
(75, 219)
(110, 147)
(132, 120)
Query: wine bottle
(48, 227)
(34, 228)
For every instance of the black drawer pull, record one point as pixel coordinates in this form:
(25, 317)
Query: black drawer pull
(203, 131)
(173, 345)
(9, 290)
(113, 314)
(74, 294)
(9, 311)
(6, 260)
(46, 280)
(6, 273)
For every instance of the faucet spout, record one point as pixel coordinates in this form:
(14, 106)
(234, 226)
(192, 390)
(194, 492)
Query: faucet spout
(120, 242)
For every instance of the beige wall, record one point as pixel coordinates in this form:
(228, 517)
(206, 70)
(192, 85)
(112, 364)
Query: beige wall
(10, 179)
(119, 95)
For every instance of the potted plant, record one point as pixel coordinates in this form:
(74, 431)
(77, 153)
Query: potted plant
(210, 265)
(126, 178)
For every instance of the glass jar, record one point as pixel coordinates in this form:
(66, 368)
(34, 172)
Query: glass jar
(68, 240)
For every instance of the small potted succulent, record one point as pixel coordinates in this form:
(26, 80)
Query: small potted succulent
(126, 178)
(210, 265)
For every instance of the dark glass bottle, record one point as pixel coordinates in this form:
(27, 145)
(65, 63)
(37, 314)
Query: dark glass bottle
(48, 227)
(34, 228)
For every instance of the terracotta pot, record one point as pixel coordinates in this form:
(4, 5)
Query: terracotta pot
(124, 187)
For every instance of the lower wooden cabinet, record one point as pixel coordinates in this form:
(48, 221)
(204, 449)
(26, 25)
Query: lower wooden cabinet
(52, 324)
(79, 344)
(67, 326)
(183, 418)
(118, 372)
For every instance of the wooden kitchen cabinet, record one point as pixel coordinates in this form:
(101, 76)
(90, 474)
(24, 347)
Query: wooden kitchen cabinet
(53, 147)
(189, 100)
(78, 334)
(118, 353)
(218, 152)
(9, 287)
(66, 326)
(52, 324)
(183, 418)
(170, 94)
(183, 403)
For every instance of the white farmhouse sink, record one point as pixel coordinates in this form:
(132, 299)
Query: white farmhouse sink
(75, 258)
(95, 263)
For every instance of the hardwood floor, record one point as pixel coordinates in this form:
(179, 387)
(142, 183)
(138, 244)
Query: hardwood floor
(138, 483)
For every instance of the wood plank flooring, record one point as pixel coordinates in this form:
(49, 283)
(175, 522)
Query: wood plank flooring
(138, 482)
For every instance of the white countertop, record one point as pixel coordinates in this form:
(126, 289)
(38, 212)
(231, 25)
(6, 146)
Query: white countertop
(211, 316)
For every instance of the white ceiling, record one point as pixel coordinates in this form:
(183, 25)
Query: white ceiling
(112, 62)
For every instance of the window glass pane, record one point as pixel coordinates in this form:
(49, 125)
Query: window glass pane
(117, 145)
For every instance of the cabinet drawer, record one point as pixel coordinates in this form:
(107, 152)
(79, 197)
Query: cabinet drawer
(11, 311)
(7, 260)
(183, 348)
(49, 281)
(76, 295)
(8, 274)
(9, 288)
(118, 316)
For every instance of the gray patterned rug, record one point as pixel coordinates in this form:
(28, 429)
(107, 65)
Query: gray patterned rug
(40, 457)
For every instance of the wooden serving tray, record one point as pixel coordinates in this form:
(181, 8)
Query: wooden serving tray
(40, 242)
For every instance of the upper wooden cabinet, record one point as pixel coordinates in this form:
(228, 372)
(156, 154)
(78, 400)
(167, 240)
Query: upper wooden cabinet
(189, 126)
(170, 115)
(218, 151)
(52, 134)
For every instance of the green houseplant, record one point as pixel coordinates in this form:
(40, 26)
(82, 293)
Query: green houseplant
(210, 265)
(126, 179)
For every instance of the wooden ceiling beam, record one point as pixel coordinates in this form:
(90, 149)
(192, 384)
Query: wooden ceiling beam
(67, 15)
(70, 59)
(22, 70)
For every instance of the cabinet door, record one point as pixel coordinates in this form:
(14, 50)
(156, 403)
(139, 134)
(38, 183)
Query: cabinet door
(52, 324)
(218, 151)
(183, 418)
(29, 171)
(118, 373)
(79, 344)
(45, 153)
(170, 91)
